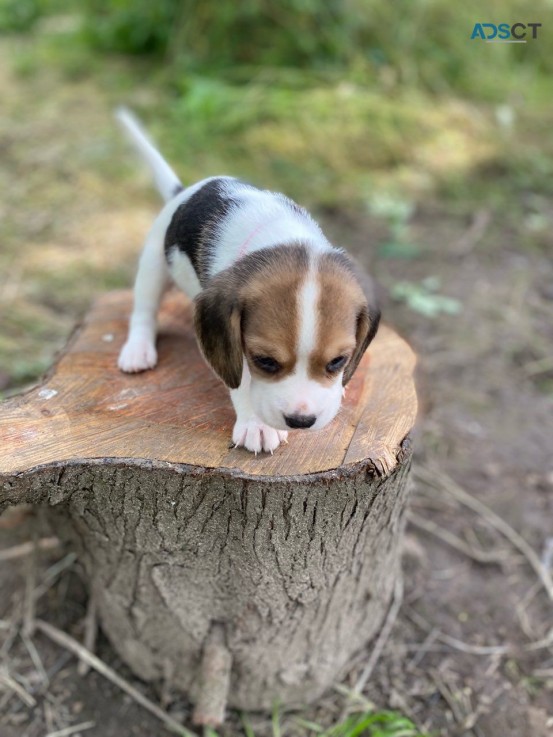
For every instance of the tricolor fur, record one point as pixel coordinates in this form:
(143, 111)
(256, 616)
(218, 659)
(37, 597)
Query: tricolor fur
(281, 316)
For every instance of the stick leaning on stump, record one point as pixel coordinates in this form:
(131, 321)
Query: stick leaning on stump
(254, 579)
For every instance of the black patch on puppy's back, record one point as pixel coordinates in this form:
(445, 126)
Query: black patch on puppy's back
(193, 227)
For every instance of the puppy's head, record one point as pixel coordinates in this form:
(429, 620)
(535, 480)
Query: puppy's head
(299, 321)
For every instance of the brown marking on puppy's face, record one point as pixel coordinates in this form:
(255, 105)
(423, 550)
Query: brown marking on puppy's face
(251, 309)
(348, 318)
(340, 299)
(270, 320)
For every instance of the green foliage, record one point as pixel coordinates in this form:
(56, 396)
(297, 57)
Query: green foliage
(396, 211)
(130, 26)
(311, 142)
(422, 44)
(212, 34)
(426, 44)
(18, 15)
(367, 723)
(424, 299)
(374, 724)
(329, 102)
(333, 101)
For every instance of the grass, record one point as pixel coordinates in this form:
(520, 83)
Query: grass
(366, 104)
(370, 724)
(366, 723)
(389, 106)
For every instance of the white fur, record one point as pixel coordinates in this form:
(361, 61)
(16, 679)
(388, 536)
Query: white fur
(273, 400)
(183, 273)
(297, 394)
(139, 352)
(249, 431)
(308, 317)
(165, 178)
(262, 219)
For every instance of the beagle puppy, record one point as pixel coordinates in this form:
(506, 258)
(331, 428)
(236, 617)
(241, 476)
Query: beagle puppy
(281, 316)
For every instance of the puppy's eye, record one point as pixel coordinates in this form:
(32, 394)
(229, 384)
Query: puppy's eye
(337, 364)
(267, 364)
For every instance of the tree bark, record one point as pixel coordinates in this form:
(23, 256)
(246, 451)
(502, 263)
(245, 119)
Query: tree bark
(263, 576)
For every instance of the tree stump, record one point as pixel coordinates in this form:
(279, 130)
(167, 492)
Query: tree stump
(261, 574)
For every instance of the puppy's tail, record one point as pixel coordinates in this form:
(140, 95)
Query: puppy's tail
(166, 180)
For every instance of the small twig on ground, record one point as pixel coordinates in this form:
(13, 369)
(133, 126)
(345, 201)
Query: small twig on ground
(543, 644)
(29, 597)
(90, 632)
(423, 649)
(48, 715)
(538, 366)
(52, 574)
(17, 688)
(4, 701)
(71, 730)
(453, 642)
(61, 638)
(466, 647)
(168, 673)
(473, 234)
(460, 703)
(495, 662)
(355, 699)
(483, 706)
(382, 636)
(521, 610)
(547, 554)
(481, 556)
(35, 657)
(448, 696)
(436, 478)
(20, 551)
(543, 673)
(25, 604)
(416, 646)
(10, 637)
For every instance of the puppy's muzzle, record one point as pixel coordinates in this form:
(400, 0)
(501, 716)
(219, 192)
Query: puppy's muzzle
(299, 421)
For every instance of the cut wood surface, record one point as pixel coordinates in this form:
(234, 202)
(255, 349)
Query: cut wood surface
(181, 413)
(251, 580)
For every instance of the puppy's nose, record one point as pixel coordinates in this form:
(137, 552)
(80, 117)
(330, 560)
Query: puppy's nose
(297, 421)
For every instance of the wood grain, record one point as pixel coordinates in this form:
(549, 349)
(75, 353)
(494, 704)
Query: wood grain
(181, 413)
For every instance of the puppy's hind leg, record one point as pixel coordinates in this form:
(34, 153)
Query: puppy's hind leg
(139, 352)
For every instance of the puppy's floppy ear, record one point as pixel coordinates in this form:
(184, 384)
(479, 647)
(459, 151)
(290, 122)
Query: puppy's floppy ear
(368, 318)
(217, 319)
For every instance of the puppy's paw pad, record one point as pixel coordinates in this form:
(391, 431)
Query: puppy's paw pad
(137, 355)
(255, 436)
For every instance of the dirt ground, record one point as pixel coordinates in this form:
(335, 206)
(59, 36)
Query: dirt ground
(471, 652)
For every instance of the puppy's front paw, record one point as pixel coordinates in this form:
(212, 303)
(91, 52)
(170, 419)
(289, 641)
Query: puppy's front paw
(255, 436)
(138, 354)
